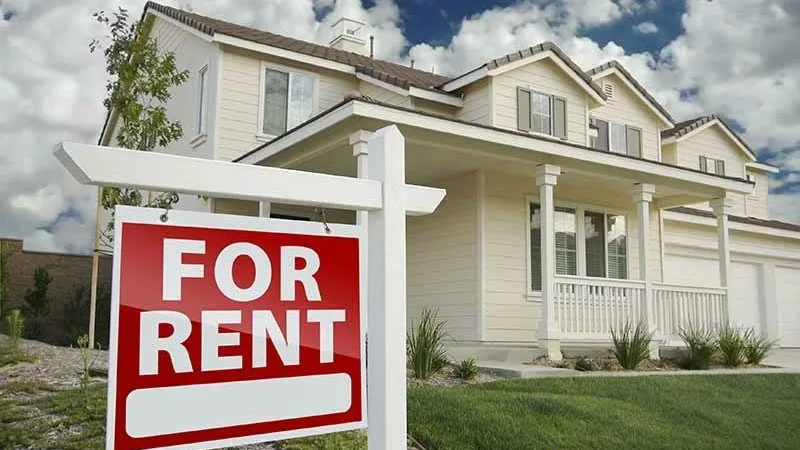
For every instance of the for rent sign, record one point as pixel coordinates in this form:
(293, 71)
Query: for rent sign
(229, 330)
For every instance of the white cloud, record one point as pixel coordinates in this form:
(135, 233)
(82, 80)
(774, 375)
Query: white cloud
(51, 87)
(646, 28)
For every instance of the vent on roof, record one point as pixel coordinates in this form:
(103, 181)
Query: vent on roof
(349, 35)
(608, 88)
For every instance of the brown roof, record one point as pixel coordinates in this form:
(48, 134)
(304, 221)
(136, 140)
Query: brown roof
(616, 65)
(740, 219)
(210, 26)
(687, 126)
(531, 51)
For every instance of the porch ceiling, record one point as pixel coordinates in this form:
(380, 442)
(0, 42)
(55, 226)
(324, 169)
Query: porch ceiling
(433, 155)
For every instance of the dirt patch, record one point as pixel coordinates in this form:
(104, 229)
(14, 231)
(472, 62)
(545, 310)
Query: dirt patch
(447, 378)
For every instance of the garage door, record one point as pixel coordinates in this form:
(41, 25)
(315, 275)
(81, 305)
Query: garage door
(743, 298)
(687, 271)
(787, 290)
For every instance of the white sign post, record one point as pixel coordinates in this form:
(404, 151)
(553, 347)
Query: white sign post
(384, 195)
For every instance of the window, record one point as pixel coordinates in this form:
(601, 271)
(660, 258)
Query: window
(288, 101)
(617, 242)
(202, 100)
(601, 245)
(615, 137)
(541, 113)
(712, 166)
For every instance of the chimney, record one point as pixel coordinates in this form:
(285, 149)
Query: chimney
(349, 35)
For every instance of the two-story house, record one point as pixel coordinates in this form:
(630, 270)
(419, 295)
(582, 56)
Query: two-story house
(574, 200)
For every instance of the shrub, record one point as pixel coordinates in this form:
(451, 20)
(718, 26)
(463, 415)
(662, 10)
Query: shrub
(467, 369)
(701, 346)
(631, 345)
(732, 345)
(584, 364)
(756, 348)
(37, 302)
(425, 345)
(16, 323)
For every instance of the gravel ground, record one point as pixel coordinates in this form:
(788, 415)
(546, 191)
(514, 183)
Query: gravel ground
(57, 366)
(60, 367)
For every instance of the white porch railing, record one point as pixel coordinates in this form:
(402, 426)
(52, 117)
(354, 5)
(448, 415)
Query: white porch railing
(587, 308)
(679, 307)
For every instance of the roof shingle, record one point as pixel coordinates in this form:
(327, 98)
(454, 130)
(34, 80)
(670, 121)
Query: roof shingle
(687, 126)
(210, 26)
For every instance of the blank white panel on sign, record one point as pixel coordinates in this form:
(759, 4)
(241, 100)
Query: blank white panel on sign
(167, 410)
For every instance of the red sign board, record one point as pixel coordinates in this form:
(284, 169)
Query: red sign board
(231, 330)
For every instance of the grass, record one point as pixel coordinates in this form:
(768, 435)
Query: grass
(10, 356)
(667, 412)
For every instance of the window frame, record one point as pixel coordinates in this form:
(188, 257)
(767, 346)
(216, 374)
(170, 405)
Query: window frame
(263, 66)
(201, 106)
(626, 127)
(551, 99)
(711, 165)
(580, 239)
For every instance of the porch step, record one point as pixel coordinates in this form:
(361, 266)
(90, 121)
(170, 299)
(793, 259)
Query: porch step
(518, 370)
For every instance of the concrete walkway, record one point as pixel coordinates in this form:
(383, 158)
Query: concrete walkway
(784, 360)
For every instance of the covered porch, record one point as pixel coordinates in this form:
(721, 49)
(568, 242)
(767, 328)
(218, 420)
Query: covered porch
(539, 243)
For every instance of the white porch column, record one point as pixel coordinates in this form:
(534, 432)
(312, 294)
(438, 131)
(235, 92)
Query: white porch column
(722, 207)
(264, 209)
(359, 141)
(643, 197)
(548, 331)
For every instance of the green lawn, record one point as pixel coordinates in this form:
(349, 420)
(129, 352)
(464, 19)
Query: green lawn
(673, 412)
(665, 412)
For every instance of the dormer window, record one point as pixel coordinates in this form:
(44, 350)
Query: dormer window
(541, 113)
(712, 165)
(615, 137)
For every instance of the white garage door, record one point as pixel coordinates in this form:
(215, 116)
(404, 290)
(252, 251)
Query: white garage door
(743, 298)
(787, 290)
(688, 271)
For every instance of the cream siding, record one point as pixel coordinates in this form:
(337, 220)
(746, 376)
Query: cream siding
(511, 314)
(712, 142)
(441, 259)
(239, 104)
(192, 54)
(476, 102)
(757, 204)
(625, 108)
(669, 154)
(546, 77)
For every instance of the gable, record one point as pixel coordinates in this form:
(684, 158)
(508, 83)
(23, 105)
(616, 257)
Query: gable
(712, 142)
(624, 98)
(546, 77)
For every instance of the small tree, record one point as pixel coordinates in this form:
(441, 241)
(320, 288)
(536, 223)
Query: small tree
(5, 254)
(37, 302)
(138, 88)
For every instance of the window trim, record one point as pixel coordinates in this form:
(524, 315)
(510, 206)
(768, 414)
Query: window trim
(263, 66)
(201, 106)
(626, 127)
(580, 239)
(534, 90)
(712, 163)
